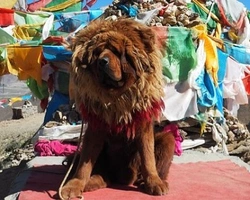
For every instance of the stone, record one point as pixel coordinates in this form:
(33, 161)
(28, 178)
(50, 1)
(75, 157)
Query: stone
(24, 111)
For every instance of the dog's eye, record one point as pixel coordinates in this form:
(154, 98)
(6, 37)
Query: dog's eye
(115, 51)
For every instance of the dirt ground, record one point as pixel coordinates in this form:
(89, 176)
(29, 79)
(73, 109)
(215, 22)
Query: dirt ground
(15, 134)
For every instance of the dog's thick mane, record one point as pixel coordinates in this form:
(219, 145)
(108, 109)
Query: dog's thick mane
(115, 107)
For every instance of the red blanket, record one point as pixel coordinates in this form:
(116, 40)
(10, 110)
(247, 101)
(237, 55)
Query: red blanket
(192, 181)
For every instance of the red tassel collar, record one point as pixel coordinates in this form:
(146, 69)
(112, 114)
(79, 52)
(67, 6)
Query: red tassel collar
(97, 123)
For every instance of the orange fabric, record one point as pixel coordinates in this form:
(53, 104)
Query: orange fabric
(25, 62)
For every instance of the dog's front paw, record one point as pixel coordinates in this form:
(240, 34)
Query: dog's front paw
(155, 186)
(95, 182)
(73, 189)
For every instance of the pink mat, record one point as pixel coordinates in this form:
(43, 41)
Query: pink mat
(192, 181)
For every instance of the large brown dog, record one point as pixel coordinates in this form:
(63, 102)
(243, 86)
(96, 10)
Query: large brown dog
(117, 73)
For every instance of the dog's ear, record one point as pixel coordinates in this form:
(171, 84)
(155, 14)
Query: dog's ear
(140, 55)
(140, 46)
(80, 56)
(83, 49)
(148, 38)
(146, 35)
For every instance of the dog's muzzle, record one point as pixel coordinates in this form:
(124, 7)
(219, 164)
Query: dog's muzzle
(108, 76)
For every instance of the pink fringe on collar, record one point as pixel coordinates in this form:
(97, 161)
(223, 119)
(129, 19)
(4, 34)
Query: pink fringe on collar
(173, 128)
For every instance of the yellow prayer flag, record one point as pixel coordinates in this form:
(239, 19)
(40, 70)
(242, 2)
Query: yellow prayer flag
(25, 62)
(7, 4)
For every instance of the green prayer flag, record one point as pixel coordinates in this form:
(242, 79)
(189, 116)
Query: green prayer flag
(180, 55)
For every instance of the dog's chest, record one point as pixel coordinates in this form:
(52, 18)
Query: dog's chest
(119, 144)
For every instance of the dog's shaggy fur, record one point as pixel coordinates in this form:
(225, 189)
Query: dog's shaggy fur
(117, 76)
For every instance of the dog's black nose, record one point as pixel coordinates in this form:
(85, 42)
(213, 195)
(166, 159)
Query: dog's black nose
(102, 62)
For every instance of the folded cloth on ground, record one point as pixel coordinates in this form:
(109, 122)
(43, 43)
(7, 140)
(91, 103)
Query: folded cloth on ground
(54, 148)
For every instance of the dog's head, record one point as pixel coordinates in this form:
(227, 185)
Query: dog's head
(116, 54)
(116, 63)
(107, 58)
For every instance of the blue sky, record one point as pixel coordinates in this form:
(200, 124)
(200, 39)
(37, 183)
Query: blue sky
(101, 3)
(246, 3)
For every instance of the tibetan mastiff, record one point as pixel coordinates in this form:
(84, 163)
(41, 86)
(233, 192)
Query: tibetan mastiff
(117, 76)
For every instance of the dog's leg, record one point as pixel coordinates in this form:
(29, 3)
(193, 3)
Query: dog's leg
(164, 152)
(92, 145)
(145, 141)
(99, 177)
